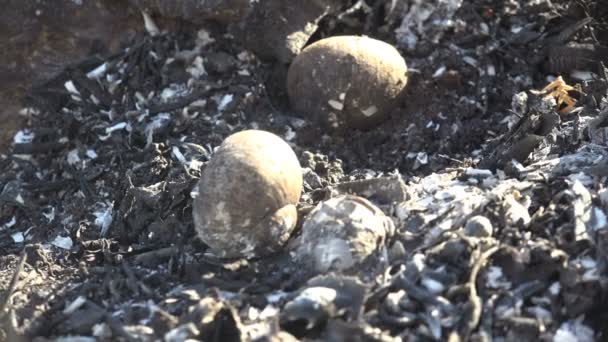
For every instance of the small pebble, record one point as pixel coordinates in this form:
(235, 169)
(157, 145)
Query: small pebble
(479, 226)
(219, 62)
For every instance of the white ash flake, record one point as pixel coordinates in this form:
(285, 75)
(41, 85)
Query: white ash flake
(29, 111)
(268, 312)
(74, 305)
(10, 223)
(116, 127)
(204, 38)
(276, 296)
(149, 24)
(591, 273)
(63, 242)
(484, 28)
(71, 88)
(419, 261)
(574, 331)
(369, 111)
(581, 212)
(598, 220)
(470, 61)
(422, 158)
(515, 211)
(224, 102)
(432, 285)
(439, 72)
(154, 55)
(178, 155)
(103, 216)
(158, 121)
(395, 297)
(201, 103)
(491, 70)
(141, 99)
(555, 288)
(243, 72)
(192, 164)
(582, 75)
(49, 214)
(496, 278)
(335, 104)
(244, 56)
(587, 262)
(290, 134)
(516, 29)
(174, 90)
(98, 72)
(197, 68)
(18, 237)
(194, 193)
(94, 99)
(102, 331)
(24, 136)
(72, 157)
(91, 153)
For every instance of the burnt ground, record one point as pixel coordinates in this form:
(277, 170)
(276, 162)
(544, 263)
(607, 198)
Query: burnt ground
(96, 189)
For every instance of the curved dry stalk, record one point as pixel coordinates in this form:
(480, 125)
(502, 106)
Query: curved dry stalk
(9, 292)
(474, 299)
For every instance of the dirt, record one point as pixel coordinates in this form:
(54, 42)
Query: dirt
(99, 199)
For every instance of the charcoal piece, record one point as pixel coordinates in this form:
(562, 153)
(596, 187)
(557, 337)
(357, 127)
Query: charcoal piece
(276, 29)
(383, 190)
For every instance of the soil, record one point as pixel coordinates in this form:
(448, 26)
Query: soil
(98, 200)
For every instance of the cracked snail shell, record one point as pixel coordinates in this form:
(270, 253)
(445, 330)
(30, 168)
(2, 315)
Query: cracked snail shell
(341, 233)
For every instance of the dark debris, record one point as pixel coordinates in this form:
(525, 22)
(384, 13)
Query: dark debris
(96, 190)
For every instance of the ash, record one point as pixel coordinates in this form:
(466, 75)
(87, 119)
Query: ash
(499, 201)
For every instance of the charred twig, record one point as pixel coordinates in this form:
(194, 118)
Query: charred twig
(403, 320)
(417, 292)
(13, 285)
(474, 299)
(82, 182)
(35, 148)
(46, 186)
(156, 256)
(132, 280)
(570, 30)
(487, 321)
